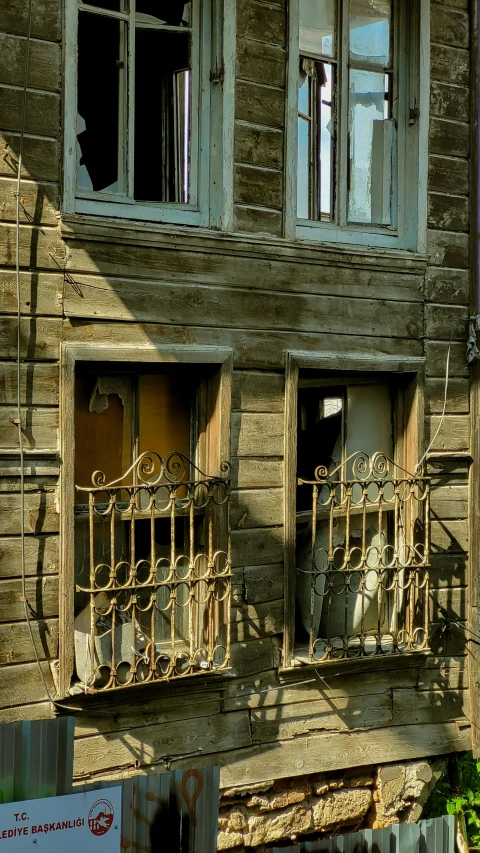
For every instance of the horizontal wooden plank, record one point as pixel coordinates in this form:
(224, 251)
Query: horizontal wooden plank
(451, 138)
(314, 753)
(449, 101)
(42, 594)
(330, 684)
(258, 186)
(41, 157)
(40, 515)
(37, 711)
(259, 104)
(16, 644)
(21, 684)
(141, 747)
(41, 556)
(254, 656)
(39, 427)
(450, 601)
(40, 293)
(257, 220)
(449, 64)
(292, 721)
(265, 350)
(263, 583)
(448, 570)
(448, 212)
(261, 63)
(258, 21)
(46, 18)
(447, 249)
(449, 501)
(262, 508)
(42, 114)
(38, 383)
(250, 621)
(448, 174)
(258, 391)
(258, 146)
(235, 307)
(37, 247)
(38, 202)
(449, 536)
(443, 285)
(251, 547)
(453, 432)
(449, 26)
(299, 269)
(101, 718)
(422, 706)
(436, 352)
(458, 396)
(44, 67)
(255, 434)
(445, 322)
(257, 473)
(40, 338)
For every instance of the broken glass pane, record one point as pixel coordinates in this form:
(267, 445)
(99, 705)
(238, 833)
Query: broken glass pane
(303, 167)
(315, 141)
(171, 12)
(162, 116)
(100, 83)
(371, 135)
(325, 145)
(370, 23)
(317, 26)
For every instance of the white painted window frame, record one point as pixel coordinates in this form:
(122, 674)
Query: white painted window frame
(213, 125)
(412, 147)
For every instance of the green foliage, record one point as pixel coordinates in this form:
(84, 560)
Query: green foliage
(458, 793)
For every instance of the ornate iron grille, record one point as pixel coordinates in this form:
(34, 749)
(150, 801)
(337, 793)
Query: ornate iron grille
(154, 578)
(363, 560)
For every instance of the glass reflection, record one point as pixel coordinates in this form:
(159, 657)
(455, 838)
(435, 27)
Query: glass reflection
(317, 27)
(370, 25)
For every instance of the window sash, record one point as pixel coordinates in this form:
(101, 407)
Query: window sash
(340, 169)
(127, 106)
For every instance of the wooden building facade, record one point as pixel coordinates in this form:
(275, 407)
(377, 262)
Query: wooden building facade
(215, 324)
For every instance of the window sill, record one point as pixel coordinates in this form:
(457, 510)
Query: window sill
(352, 666)
(359, 236)
(186, 237)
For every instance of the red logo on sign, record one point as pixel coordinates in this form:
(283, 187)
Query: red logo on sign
(100, 817)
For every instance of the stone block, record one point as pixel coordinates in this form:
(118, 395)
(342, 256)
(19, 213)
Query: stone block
(344, 807)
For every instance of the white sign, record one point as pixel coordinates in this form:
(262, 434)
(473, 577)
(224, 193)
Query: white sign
(74, 823)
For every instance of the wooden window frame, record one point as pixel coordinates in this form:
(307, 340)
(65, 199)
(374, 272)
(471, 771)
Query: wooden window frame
(216, 450)
(412, 146)
(212, 203)
(410, 446)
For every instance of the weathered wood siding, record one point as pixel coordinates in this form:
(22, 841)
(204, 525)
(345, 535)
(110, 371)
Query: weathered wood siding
(127, 284)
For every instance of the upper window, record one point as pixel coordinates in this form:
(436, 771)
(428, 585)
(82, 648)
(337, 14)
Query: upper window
(141, 86)
(357, 110)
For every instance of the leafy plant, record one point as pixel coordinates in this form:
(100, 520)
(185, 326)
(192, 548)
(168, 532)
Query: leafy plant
(458, 793)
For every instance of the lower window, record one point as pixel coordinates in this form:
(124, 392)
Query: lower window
(152, 545)
(362, 541)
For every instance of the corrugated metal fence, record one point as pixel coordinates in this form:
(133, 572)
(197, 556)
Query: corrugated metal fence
(428, 836)
(36, 759)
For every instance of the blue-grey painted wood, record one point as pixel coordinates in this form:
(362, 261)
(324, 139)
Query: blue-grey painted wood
(36, 759)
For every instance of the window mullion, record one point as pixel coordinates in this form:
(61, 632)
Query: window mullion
(342, 115)
(131, 101)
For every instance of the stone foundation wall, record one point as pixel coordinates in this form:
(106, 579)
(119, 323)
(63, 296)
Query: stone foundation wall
(325, 804)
